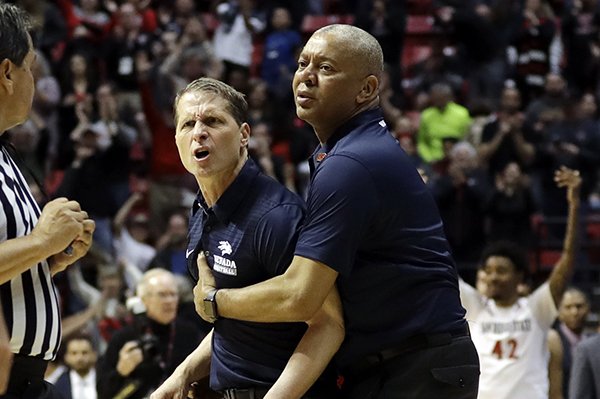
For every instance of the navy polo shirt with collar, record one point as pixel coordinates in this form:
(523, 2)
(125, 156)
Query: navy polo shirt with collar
(371, 218)
(249, 236)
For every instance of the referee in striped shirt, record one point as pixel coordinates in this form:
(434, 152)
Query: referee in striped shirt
(32, 243)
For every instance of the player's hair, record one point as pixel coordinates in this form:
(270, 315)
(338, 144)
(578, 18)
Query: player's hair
(238, 107)
(509, 250)
(14, 36)
(364, 47)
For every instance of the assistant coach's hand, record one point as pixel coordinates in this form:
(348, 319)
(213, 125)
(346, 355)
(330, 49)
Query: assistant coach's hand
(206, 283)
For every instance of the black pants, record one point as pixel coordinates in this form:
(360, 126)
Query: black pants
(259, 393)
(450, 372)
(27, 380)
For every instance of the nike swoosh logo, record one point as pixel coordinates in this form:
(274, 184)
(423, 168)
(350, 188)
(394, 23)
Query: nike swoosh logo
(188, 253)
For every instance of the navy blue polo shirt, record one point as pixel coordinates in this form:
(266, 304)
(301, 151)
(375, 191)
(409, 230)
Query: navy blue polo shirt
(372, 219)
(249, 236)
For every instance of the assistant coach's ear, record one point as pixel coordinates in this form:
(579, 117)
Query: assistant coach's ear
(369, 90)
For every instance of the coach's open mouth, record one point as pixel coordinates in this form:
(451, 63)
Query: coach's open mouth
(200, 154)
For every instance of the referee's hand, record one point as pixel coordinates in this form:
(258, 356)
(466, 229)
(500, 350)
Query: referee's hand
(59, 224)
(79, 247)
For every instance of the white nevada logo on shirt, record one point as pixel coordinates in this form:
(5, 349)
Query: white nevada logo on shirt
(225, 248)
(224, 265)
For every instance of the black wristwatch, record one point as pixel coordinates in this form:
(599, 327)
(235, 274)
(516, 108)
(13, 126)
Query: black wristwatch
(210, 305)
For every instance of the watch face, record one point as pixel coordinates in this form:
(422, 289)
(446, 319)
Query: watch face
(209, 308)
(210, 305)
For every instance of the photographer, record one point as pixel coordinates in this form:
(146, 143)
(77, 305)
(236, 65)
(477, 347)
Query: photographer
(140, 356)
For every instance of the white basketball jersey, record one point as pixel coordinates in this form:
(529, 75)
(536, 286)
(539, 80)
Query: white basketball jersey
(511, 343)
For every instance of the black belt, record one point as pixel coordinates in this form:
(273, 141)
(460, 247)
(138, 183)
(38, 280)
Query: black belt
(411, 344)
(24, 371)
(248, 393)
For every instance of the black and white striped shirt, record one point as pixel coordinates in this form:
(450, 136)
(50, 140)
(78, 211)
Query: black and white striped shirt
(29, 301)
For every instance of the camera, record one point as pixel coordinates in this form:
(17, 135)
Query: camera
(148, 343)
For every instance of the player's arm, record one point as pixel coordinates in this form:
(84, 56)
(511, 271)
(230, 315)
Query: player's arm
(555, 371)
(195, 367)
(565, 177)
(470, 297)
(295, 295)
(321, 340)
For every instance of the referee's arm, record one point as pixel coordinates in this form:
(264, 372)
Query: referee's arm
(60, 224)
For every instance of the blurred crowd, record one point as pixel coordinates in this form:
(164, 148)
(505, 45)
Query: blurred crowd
(506, 93)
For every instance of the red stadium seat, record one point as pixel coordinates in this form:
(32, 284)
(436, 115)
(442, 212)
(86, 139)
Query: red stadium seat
(593, 228)
(420, 25)
(415, 53)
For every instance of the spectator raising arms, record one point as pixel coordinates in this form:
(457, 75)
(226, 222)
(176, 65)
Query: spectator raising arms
(509, 331)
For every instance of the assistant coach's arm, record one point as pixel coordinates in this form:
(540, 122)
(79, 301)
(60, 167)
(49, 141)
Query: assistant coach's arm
(295, 295)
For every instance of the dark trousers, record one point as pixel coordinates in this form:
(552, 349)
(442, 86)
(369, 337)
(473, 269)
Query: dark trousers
(450, 372)
(259, 393)
(27, 380)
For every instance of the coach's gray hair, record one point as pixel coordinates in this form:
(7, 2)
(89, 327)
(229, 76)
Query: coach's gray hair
(362, 44)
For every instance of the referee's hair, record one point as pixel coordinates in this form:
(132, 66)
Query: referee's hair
(14, 36)
(506, 249)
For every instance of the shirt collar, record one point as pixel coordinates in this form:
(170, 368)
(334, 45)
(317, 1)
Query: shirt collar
(362, 118)
(571, 336)
(348, 127)
(233, 195)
